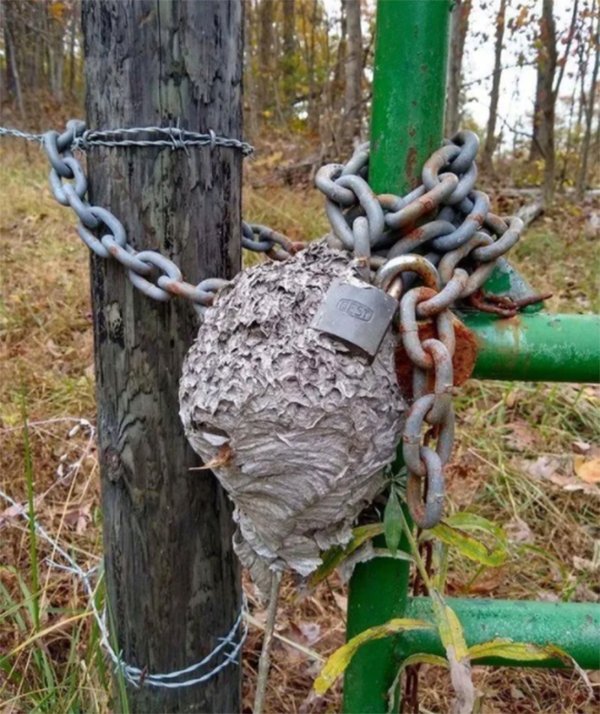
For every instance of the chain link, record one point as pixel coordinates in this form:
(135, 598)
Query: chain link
(150, 272)
(444, 222)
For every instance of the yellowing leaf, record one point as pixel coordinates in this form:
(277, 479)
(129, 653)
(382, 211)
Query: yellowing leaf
(468, 546)
(449, 627)
(340, 659)
(450, 532)
(588, 470)
(453, 638)
(516, 651)
(334, 556)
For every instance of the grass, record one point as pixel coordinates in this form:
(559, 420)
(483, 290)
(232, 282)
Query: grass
(50, 656)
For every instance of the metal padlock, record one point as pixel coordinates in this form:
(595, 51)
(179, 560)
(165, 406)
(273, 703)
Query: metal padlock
(358, 315)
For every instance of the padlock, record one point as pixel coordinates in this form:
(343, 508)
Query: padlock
(356, 314)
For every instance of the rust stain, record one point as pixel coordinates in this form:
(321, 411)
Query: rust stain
(463, 360)
(411, 163)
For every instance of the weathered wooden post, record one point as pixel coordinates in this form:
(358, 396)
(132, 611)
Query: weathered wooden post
(173, 582)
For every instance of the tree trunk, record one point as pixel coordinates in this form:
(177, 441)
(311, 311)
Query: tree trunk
(353, 71)
(589, 115)
(265, 55)
(288, 60)
(458, 34)
(172, 580)
(545, 99)
(490, 138)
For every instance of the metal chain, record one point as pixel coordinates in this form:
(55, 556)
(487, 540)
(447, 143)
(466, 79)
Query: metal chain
(150, 272)
(443, 235)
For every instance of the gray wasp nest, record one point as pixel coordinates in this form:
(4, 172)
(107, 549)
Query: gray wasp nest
(304, 427)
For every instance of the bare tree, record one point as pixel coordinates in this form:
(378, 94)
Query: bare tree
(265, 54)
(547, 88)
(353, 71)
(490, 138)
(589, 110)
(458, 34)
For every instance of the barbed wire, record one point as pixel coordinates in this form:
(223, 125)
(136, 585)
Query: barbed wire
(172, 137)
(228, 647)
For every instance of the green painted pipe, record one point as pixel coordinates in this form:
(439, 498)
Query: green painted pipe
(406, 127)
(537, 347)
(573, 627)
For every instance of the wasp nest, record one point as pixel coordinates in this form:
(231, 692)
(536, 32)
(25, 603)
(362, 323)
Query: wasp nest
(302, 427)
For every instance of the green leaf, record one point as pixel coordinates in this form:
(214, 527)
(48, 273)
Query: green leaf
(341, 658)
(471, 522)
(392, 522)
(454, 532)
(334, 556)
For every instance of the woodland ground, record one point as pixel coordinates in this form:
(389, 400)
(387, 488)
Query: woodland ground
(519, 449)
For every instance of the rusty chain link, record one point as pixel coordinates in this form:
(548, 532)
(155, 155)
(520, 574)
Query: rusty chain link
(431, 249)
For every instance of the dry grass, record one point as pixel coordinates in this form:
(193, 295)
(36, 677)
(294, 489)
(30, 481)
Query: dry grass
(46, 370)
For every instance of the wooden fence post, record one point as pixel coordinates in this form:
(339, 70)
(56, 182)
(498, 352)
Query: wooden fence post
(173, 581)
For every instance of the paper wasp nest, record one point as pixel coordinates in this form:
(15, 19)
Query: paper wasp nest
(307, 426)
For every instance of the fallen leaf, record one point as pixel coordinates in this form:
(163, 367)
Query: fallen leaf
(521, 436)
(581, 447)
(518, 531)
(588, 470)
(311, 631)
(12, 512)
(555, 469)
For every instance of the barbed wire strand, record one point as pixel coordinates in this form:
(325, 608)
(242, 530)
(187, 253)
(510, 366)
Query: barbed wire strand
(135, 675)
(159, 136)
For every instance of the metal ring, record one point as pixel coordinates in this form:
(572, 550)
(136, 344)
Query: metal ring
(449, 294)
(92, 242)
(56, 182)
(82, 209)
(126, 256)
(409, 329)
(502, 245)
(468, 143)
(413, 431)
(420, 236)
(158, 261)
(113, 224)
(367, 199)
(54, 155)
(451, 259)
(470, 225)
(325, 181)
(444, 380)
(410, 213)
(429, 513)
(404, 263)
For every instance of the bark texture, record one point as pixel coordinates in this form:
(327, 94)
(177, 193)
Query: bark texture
(458, 34)
(172, 577)
(353, 74)
(303, 426)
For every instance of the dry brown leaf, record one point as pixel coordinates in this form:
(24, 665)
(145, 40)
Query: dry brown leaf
(554, 469)
(588, 470)
(521, 436)
(518, 531)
